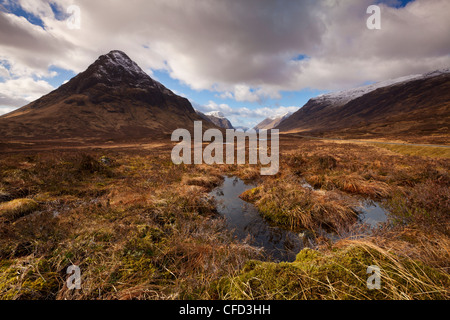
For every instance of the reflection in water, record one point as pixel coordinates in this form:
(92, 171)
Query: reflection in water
(245, 220)
(282, 245)
(372, 213)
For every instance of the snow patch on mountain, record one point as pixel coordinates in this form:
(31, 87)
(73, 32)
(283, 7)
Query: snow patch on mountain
(118, 60)
(216, 114)
(281, 117)
(342, 97)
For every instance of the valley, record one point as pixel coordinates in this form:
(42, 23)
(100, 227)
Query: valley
(140, 227)
(87, 179)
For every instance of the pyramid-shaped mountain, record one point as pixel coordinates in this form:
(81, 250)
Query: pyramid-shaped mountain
(112, 99)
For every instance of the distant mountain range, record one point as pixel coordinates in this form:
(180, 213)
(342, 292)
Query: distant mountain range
(417, 105)
(242, 128)
(113, 99)
(272, 122)
(217, 118)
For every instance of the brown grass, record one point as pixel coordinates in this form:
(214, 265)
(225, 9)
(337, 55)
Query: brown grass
(140, 227)
(292, 206)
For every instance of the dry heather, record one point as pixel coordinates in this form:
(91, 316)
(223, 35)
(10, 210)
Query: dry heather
(295, 207)
(138, 227)
(141, 227)
(412, 250)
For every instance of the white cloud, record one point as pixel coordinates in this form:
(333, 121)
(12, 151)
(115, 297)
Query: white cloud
(37, 7)
(6, 109)
(18, 92)
(225, 95)
(245, 93)
(241, 49)
(4, 73)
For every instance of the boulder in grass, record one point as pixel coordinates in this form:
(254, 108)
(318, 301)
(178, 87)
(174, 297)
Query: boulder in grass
(17, 208)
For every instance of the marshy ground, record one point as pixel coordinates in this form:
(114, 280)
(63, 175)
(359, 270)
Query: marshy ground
(140, 227)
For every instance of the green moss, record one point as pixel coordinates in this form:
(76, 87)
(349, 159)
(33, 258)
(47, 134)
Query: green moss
(39, 282)
(8, 279)
(136, 263)
(40, 287)
(341, 274)
(133, 268)
(250, 195)
(307, 255)
(144, 242)
(261, 281)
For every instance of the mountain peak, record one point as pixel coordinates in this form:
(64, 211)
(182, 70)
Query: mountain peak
(115, 69)
(117, 59)
(118, 53)
(112, 98)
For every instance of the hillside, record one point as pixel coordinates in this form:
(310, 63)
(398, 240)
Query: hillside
(113, 99)
(272, 122)
(412, 108)
(217, 118)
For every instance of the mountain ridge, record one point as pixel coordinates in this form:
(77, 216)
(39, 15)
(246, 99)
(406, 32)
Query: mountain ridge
(112, 99)
(416, 107)
(272, 122)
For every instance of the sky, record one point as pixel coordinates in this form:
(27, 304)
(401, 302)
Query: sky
(249, 59)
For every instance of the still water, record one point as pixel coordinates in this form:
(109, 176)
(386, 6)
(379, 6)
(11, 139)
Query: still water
(279, 244)
(246, 221)
(372, 213)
